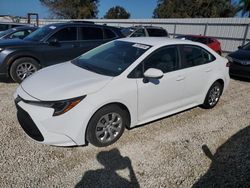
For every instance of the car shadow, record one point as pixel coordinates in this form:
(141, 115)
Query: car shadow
(107, 177)
(230, 165)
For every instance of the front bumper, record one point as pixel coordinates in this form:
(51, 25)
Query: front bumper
(237, 69)
(39, 123)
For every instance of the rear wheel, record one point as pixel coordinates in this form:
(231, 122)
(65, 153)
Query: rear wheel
(213, 96)
(22, 68)
(106, 126)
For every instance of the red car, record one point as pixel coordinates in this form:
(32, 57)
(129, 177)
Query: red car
(209, 41)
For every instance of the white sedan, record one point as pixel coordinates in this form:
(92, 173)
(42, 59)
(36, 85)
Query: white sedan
(121, 84)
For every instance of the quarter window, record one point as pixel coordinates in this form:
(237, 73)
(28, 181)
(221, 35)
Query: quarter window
(65, 34)
(194, 56)
(91, 33)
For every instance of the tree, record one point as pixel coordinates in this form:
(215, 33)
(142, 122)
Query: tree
(72, 9)
(117, 12)
(194, 9)
(244, 6)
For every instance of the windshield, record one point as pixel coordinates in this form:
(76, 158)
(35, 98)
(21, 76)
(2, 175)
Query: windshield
(40, 33)
(111, 59)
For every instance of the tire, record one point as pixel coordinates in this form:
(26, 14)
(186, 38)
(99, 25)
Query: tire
(22, 68)
(106, 126)
(213, 96)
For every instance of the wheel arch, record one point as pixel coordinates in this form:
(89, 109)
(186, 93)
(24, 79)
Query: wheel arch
(13, 59)
(221, 81)
(120, 105)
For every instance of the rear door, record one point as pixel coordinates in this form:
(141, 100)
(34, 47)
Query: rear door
(198, 67)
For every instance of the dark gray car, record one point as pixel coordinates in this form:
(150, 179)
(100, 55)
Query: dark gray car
(51, 44)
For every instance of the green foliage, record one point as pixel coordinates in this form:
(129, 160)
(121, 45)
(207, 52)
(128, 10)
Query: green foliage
(117, 12)
(194, 9)
(72, 9)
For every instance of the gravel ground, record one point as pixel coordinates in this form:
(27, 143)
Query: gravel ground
(199, 148)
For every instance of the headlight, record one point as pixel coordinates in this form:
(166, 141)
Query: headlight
(60, 107)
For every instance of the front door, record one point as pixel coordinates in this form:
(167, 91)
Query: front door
(62, 46)
(160, 96)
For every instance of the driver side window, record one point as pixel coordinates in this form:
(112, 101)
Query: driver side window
(65, 34)
(166, 59)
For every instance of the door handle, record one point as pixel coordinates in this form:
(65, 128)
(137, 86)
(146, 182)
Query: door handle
(208, 69)
(179, 78)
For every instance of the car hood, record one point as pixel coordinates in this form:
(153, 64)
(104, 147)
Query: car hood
(241, 55)
(63, 81)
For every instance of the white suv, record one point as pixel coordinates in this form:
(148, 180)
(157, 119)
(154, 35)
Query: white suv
(121, 84)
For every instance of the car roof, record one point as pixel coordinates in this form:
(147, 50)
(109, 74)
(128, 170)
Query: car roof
(146, 26)
(78, 24)
(157, 41)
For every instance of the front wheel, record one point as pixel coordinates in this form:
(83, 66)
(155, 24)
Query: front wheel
(106, 126)
(213, 96)
(22, 68)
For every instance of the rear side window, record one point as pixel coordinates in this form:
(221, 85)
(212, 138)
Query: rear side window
(91, 33)
(109, 33)
(65, 34)
(157, 33)
(202, 40)
(209, 40)
(194, 56)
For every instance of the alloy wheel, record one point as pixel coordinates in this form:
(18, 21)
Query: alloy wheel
(108, 127)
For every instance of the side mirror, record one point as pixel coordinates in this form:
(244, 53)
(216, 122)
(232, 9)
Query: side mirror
(153, 73)
(239, 47)
(53, 42)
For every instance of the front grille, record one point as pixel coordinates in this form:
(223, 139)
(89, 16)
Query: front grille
(28, 124)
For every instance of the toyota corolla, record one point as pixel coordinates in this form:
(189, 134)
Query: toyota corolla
(121, 84)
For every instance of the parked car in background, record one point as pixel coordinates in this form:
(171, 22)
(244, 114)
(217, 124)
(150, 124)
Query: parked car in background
(124, 83)
(149, 31)
(209, 41)
(240, 62)
(17, 32)
(51, 44)
(8, 25)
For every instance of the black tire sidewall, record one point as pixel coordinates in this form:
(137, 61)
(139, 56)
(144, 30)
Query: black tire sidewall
(17, 62)
(206, 104)
(91, 128)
